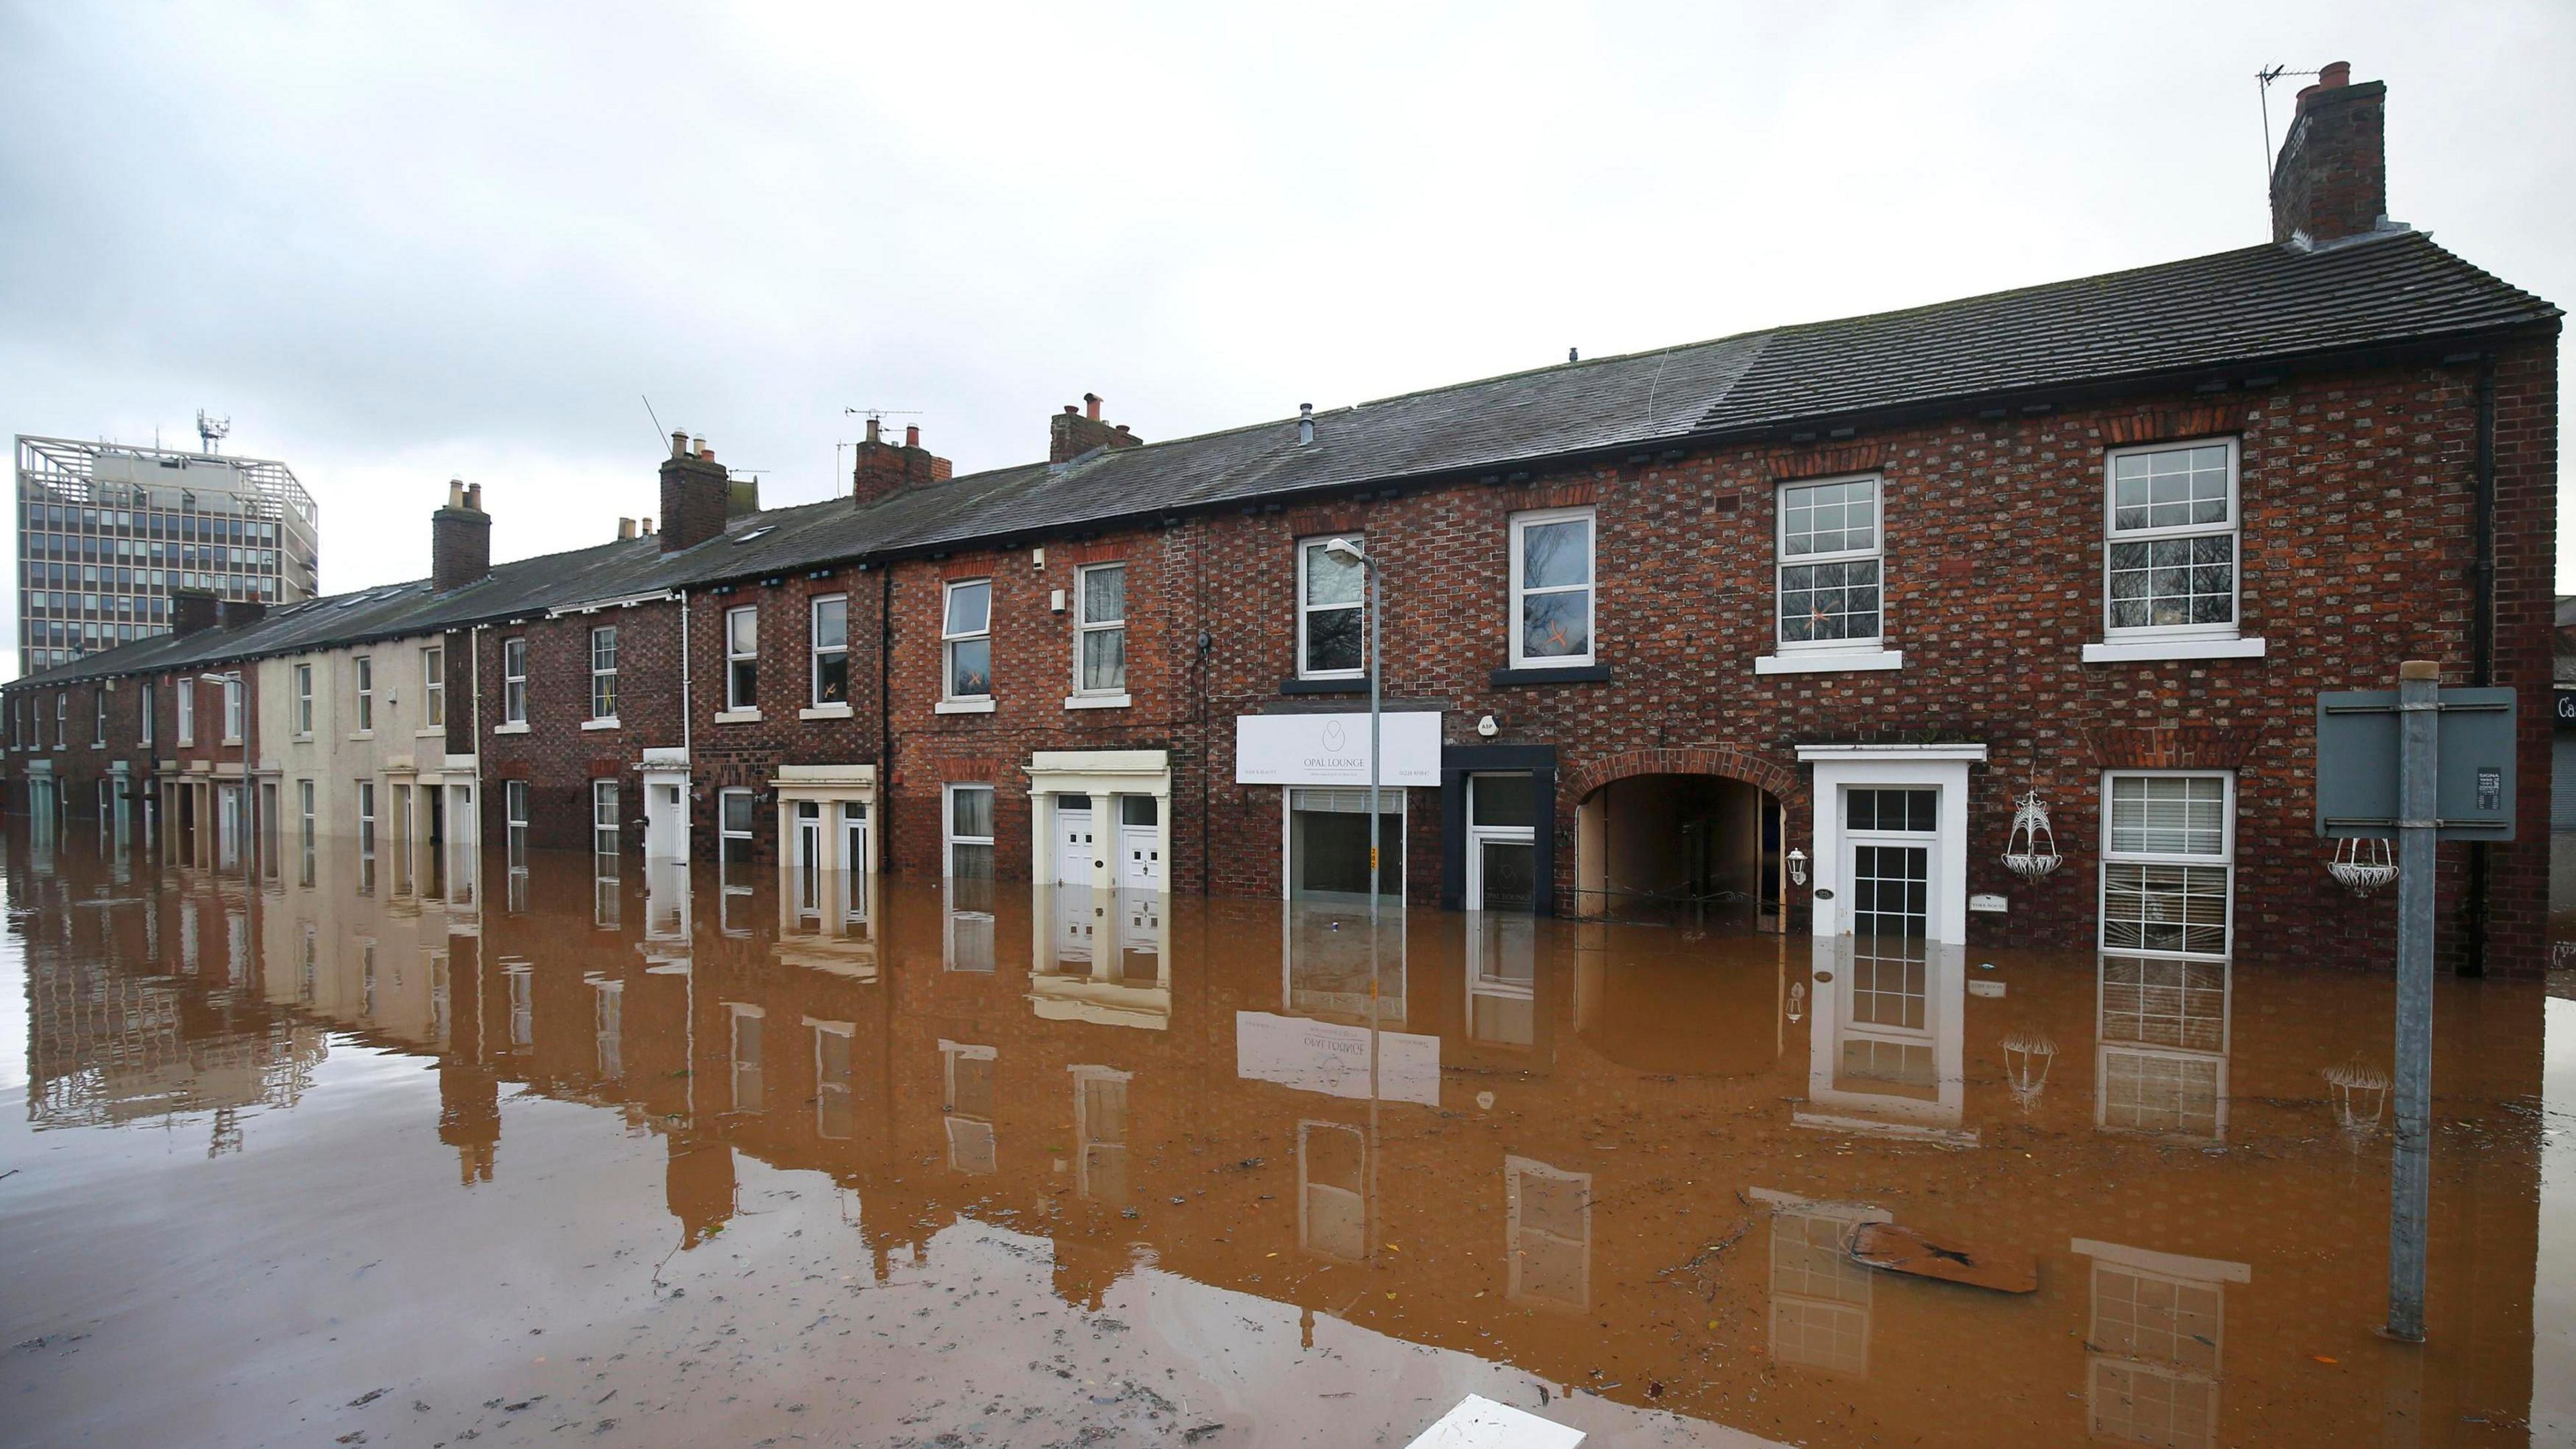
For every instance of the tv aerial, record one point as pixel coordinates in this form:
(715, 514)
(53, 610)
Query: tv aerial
(213, 430)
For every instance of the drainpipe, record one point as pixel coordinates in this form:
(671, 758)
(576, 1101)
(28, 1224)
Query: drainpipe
(885, 715)
(474, 733)
(2473, 924)
(686, 702)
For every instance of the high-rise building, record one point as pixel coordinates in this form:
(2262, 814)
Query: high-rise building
(106, 531)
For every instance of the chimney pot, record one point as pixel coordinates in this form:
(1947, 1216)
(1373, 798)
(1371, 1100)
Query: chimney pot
(455, 492)
(680, 445)
(911, 436)
(1091, 406)
(626, 528)
(1305, 423)
(1071, 411)
(474, 496)
(874, 429)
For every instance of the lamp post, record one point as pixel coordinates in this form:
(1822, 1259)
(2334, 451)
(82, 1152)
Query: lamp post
(1350, 549)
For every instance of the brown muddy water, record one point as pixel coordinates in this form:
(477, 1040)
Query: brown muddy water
(548, 1157)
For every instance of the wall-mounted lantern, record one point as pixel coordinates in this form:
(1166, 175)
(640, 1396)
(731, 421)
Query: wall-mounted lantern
(1797, 867)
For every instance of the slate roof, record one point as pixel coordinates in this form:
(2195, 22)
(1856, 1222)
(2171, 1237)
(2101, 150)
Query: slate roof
(2256, 306)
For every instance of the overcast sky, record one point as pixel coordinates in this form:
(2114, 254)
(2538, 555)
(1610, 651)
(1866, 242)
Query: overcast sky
(397, 245)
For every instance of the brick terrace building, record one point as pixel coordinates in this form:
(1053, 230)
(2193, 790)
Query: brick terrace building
(1787, 622)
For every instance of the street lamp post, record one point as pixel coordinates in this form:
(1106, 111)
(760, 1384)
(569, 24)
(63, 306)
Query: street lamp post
(1351, 550)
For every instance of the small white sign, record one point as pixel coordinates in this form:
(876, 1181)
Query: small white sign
(1994, 904)
(1333, 749)
(1985, 988)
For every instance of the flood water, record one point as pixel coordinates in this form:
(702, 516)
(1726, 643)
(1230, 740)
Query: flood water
(556, 1156)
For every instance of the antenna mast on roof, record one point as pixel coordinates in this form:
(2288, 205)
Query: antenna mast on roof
(213, 430)
(2263, 92)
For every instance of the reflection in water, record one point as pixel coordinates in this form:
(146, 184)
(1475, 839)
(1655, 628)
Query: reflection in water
(1287, 1166)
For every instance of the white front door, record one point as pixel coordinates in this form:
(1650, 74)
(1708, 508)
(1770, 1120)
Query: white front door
(1890, 835)
(854, 861)
(809, 859)
(228, 803)
(1140, 843)
(666, 817)
(1074, 853)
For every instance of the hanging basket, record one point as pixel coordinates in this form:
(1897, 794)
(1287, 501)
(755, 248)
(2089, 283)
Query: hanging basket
(2031, 853)
(2362, 865)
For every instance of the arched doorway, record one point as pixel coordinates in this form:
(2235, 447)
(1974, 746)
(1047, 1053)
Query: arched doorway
(1691, 837)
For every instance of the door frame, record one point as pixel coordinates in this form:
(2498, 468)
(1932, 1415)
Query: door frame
(1937, 767)
(1478, 836)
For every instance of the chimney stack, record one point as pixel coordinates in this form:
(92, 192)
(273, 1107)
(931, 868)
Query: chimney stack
(1074, 432)
(2331, 178)
(460, 539)
(193, 611)
(879, 469)
(695, 495)
(233, 613)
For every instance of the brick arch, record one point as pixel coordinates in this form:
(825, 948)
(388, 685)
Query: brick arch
(1752, 768)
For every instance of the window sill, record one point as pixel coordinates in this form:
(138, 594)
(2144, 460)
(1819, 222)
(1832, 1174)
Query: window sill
(610, 723)
(824, 711)
(232, 742)
(305, 738)
(1546, 674)
(1098, 701)
(737, 716)
(518, 727)
(362, 734)
(437, 734)
(963, 706)
(1355, 684)
(1834, 661)
(2146, 650)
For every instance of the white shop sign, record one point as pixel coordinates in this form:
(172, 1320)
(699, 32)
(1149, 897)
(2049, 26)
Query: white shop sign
(1331, 1058)
(1333, 749)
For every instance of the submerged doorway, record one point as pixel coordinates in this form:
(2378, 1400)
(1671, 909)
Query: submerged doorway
(1698, 850)
(1328, 843)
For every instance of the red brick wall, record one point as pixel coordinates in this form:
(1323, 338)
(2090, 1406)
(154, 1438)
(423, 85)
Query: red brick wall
(747, 754)
(557, 757)
(1033, 672)
(2356, 554)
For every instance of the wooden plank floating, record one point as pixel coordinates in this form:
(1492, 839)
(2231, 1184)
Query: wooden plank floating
(1920, 1254)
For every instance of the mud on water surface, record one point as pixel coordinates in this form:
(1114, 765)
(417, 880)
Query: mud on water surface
(676, 1157)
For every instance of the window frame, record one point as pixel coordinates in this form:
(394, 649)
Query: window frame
(1307, 548)
(606, 694)
(2233, 528)
(1084, 627)
(516, 815)
(365, 665)
(98, 718)
(236, 723)
(2225, 860)
(146, 702)
(1519, 524)
(605, 792)
(303, 701)
(514, 687)
(815, 651)
(748, 698)
(948, 641)
(433, 686)
(187, 711)
(950, 839)
(1782, 562)
(749, 834)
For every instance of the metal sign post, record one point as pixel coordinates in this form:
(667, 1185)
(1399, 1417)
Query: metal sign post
(2410, 1176)
(2427, 764)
